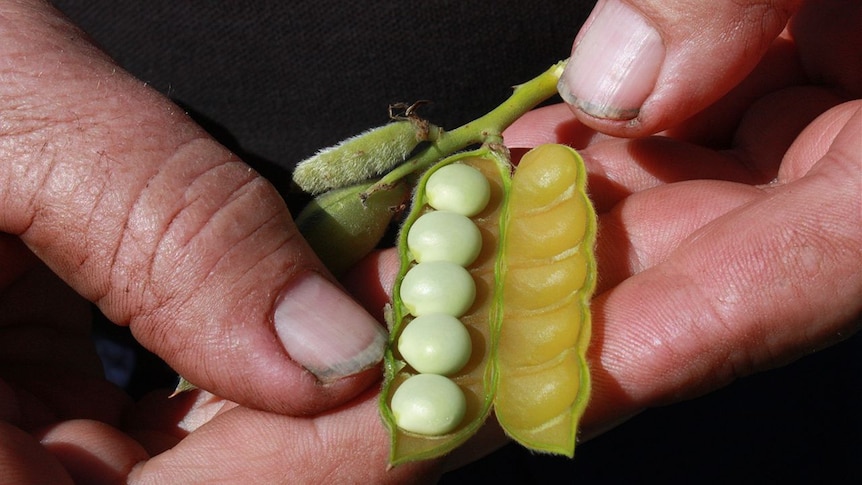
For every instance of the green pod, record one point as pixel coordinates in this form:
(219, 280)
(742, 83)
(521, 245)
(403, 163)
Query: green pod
(342, 228)
(530, 322)
(476, 378)
(361, 157)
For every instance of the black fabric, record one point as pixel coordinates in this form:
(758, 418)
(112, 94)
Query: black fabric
(276, 80)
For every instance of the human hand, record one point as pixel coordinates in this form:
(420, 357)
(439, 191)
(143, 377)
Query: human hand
(730, 242)
(686, 225)
(228, 440)
(108, 187)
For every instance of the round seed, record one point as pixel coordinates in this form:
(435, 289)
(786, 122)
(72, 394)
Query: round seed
(435, 344)
(458, 188)
(428, 404)
(438, 287)
(444, 236)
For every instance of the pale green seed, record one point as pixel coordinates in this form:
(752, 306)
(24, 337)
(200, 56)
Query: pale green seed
(458, 188)
(435, 344)
(428, 404)
(444, 236)
(438, 287)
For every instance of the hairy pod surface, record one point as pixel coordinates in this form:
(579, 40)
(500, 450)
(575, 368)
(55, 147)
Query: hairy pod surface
(361, 157)
(530, 323)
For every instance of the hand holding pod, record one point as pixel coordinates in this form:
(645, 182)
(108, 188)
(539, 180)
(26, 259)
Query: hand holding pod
(523, 301)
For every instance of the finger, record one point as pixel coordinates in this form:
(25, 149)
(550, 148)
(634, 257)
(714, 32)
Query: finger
(141, 212)
(641, 66)
(92, 451)
(775, 122)
(646, 228)
(550, 124)
(762, 285)
(24, 461)
(372, 279)
(643, 228)
(279, 449)
(835, 133)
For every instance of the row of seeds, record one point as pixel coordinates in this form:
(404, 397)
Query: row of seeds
(436, 291)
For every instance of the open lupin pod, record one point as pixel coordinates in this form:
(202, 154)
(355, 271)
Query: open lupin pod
(527, 318)
(490, 308)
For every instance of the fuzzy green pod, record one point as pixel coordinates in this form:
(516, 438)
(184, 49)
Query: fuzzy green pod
(530, 322)
(342, 228)
(361, 157)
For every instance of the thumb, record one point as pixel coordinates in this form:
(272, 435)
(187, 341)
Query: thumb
(142, 213)
(640, 66)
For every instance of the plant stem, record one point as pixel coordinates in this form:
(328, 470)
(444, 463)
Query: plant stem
(485, 129)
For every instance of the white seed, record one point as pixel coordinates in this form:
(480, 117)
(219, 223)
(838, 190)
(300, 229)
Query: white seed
(435, 344)
(444, 236)
(458, 188)
(428, 404)
(438, 287)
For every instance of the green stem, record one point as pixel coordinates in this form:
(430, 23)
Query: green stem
(485, 129)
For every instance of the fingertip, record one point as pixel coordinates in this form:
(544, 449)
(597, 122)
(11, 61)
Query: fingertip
(614, 65)
(24, 461)
(642, 66)
(92, 451)
(549, 124)
(325, 331)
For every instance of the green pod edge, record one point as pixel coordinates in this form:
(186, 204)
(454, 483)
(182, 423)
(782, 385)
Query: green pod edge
(406, 447)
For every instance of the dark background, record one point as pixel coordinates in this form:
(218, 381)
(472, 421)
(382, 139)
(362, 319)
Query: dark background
(275, 81)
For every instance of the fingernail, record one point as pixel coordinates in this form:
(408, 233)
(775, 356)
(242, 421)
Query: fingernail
(325, 331)
(614, 65)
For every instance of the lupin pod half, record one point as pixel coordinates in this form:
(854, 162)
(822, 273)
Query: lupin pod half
(476, 378)
(543, 382)
(529, 324)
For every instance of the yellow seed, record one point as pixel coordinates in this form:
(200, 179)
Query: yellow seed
(534, 337)
(543, 381)
(531, 396)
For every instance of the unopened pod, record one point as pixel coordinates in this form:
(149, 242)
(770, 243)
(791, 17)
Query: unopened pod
(524, 305)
